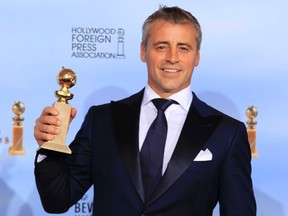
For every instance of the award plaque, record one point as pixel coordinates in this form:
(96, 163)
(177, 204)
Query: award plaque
(17, 130)
(252, 113)
(66, 79)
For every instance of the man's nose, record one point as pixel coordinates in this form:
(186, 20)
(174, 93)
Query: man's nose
(172, 56)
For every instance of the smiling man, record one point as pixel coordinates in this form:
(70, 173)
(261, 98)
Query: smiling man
(159, 152)
(171, 53)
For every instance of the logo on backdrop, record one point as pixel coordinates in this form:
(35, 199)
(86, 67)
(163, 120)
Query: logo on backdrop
(97, 43)
(84, 207)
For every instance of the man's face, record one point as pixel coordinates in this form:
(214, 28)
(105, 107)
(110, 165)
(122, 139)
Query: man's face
(171, 55)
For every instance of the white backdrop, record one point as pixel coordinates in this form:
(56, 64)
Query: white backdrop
(243, 62)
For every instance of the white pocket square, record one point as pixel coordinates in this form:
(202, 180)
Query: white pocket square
(204, 156)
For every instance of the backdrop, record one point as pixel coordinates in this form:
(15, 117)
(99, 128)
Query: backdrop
(243, 62)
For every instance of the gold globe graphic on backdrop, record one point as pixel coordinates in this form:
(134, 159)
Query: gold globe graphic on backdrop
(251, 113)
(18, 108)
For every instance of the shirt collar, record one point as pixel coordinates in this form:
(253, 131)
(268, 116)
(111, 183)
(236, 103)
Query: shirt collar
(184, 97)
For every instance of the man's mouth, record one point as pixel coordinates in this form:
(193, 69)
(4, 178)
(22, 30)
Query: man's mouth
(171, 70)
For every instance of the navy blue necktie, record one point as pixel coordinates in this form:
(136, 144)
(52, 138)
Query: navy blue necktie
(152, 152)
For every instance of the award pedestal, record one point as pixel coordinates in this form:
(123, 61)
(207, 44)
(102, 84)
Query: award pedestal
(17, 130)
(252, 141)
(57, 145)
(17, 141)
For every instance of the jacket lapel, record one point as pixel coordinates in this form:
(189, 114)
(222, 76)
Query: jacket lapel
(126, 121)
(198, 127)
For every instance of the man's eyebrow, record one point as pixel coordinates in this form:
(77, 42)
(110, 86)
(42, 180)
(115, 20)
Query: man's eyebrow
(178, 44)
(160, 42)
(185, 44)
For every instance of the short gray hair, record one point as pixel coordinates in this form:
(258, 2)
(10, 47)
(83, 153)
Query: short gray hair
(174, 15)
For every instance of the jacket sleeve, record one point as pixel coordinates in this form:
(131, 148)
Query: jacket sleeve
(61, 182)
(236, 190)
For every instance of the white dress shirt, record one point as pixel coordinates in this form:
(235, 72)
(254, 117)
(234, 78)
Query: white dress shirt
(175, 115)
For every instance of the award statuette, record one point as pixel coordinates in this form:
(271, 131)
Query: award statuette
(252, 113)
(66, 79)
(17, 130)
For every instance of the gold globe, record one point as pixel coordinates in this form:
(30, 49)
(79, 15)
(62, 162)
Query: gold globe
(18, 108)
(251, 112)
(66, 77)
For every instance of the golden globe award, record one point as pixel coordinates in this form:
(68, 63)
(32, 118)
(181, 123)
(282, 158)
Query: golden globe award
(17, 148)
(66, 79)
(252, 113)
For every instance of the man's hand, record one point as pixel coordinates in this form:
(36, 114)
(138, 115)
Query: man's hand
(47, 125)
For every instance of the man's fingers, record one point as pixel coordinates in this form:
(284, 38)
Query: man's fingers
(43, 137)
(47, 125)
(73, 114)
(47, 120)
(49, 111)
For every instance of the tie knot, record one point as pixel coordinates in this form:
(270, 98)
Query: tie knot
(162, 104)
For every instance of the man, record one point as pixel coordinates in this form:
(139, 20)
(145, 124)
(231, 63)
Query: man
(206, 157)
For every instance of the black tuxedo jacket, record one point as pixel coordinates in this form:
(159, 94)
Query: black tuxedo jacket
(106, 155)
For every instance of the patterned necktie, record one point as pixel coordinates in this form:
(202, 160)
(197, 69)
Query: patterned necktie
(152, 152)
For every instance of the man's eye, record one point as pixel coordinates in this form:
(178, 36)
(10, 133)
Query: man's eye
(160, 48)
(184, 49)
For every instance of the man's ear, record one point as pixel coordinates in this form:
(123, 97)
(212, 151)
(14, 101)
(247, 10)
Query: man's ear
(143, 52)
(197, 61)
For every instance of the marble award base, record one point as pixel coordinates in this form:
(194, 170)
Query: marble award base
(57, 145)
(252, 141)
(17, 141)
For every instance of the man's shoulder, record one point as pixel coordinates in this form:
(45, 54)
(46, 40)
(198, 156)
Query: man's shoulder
(128, 100)
(209, 110)
(132, 98)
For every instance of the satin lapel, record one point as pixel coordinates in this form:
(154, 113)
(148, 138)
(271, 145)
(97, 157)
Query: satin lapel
(196, 131)
(126, 121)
